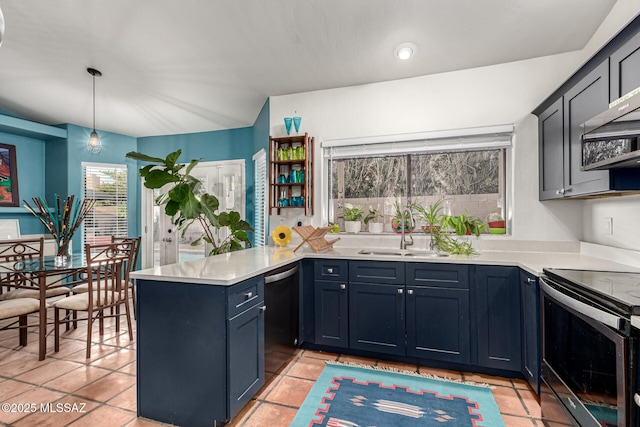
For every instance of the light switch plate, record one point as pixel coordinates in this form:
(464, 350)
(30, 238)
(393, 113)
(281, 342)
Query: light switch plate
(608, 225)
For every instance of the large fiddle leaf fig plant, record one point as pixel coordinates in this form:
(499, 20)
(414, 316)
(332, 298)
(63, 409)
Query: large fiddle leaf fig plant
(186, 202)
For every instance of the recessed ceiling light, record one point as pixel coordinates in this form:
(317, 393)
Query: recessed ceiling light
(404, 51)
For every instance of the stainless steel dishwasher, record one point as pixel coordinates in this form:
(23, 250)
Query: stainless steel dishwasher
(281, 296)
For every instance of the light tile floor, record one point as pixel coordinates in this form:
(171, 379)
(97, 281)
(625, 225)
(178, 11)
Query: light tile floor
(104, 386)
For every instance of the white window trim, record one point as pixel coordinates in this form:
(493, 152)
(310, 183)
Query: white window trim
(444, 140)
(93, 165)
(260, 182)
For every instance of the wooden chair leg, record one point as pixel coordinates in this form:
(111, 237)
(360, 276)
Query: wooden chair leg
(89, 328)
(67, 325)
(128, 314)
(117, 318)
(101, 322)
(23, 330)
(56, 328)
(133, 297)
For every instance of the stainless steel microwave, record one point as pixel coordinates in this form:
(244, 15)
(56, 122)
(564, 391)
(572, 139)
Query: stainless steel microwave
(610, 140)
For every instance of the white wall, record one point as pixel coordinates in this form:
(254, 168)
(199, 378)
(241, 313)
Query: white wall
(493, 95)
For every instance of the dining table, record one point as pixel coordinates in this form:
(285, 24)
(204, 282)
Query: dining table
(43, 274)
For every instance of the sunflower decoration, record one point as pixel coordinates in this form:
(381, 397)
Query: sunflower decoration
(282, 235)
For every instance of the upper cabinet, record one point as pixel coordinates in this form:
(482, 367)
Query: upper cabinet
(611, 73)
(624, 65)
(585, 100)
(291, 173)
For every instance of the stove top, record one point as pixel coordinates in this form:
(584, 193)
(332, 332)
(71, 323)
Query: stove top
(620, 290)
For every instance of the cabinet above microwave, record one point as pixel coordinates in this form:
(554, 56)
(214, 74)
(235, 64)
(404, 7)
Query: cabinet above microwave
(610, 140)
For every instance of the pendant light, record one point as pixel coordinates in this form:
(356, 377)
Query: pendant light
(94, 145)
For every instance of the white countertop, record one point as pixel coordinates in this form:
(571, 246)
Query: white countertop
(228, 269)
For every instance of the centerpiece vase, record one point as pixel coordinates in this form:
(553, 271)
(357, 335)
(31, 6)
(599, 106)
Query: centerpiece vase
(63, 256)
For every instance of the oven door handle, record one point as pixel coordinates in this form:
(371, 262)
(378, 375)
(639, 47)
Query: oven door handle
(594, 313)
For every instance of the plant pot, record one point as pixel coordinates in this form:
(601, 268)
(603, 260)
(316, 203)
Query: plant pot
(376, 227)
(398, 223)
(428, 228)
(496, 224)
(352, 226)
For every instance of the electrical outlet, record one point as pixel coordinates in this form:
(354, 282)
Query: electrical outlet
(608, 226)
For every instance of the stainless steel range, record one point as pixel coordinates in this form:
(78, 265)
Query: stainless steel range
(589, 347)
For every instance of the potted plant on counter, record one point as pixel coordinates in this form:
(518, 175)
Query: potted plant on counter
(402, 218)
(465, 224)
(496, 224)
(186, 203)
(374, 220)
(352, 216)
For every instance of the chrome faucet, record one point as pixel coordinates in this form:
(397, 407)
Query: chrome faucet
(403, 241)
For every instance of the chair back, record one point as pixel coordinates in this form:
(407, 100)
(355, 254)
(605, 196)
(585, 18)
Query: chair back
(16, 251)
(106, 267)
(135, 249)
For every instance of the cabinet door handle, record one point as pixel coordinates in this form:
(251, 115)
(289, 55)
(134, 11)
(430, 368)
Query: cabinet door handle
(330, 270)
(263, 308)
(410, 291)
(530, 280)
(343, 286)
(248, 295)
(560, 192)
(400, 290)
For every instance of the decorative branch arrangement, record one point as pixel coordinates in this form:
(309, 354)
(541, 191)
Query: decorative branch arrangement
(63, 221)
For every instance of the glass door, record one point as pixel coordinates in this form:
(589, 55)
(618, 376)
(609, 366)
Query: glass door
(162, 243)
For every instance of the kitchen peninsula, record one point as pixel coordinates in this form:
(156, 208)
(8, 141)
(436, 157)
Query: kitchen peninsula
(201, 323)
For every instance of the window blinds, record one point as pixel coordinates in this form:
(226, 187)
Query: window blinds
(260, 197)
(107, 184)
(471, 139)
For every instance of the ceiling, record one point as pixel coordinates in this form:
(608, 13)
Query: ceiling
(174, 67)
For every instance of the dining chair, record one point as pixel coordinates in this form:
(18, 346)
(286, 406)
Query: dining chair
(106, 289)
(16, 284)
(20, 308)
(125, 244)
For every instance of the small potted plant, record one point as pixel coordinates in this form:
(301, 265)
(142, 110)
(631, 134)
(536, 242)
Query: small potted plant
(496, 223)
(374, 221)
(352, 216)
(401, 219)
(465, 224)
(432, 216)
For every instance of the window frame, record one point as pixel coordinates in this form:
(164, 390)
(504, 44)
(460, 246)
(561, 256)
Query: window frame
(119, 167)
(436, 141)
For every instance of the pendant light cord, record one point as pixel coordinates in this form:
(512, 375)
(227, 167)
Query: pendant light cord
(94, 102)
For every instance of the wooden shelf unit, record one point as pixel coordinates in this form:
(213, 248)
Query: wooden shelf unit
(283, 166)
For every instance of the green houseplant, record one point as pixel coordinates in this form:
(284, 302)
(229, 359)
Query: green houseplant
(186, 203)
(374, 220)
(401, 219)
(352, 215)
(465, 224)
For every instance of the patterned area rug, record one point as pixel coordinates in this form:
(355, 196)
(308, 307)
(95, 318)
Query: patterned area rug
(348, 396)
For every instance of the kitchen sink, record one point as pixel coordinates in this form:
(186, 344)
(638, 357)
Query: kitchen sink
(402, 252)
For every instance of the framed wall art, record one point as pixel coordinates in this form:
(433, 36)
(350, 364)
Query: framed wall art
(8, 176)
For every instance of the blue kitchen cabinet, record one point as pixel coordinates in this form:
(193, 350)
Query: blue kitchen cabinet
(331, 313)
(245, 342)
(588, 98)
(200, 350)
(551, 147)
(498, 319)
(376, 318)
(437, 318)
(624, 68)
(530, 306)
(377, 306)
(330, 303)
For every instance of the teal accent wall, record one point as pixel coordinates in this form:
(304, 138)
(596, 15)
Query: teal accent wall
(30, 154)
(228, 144)
(114, 148)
